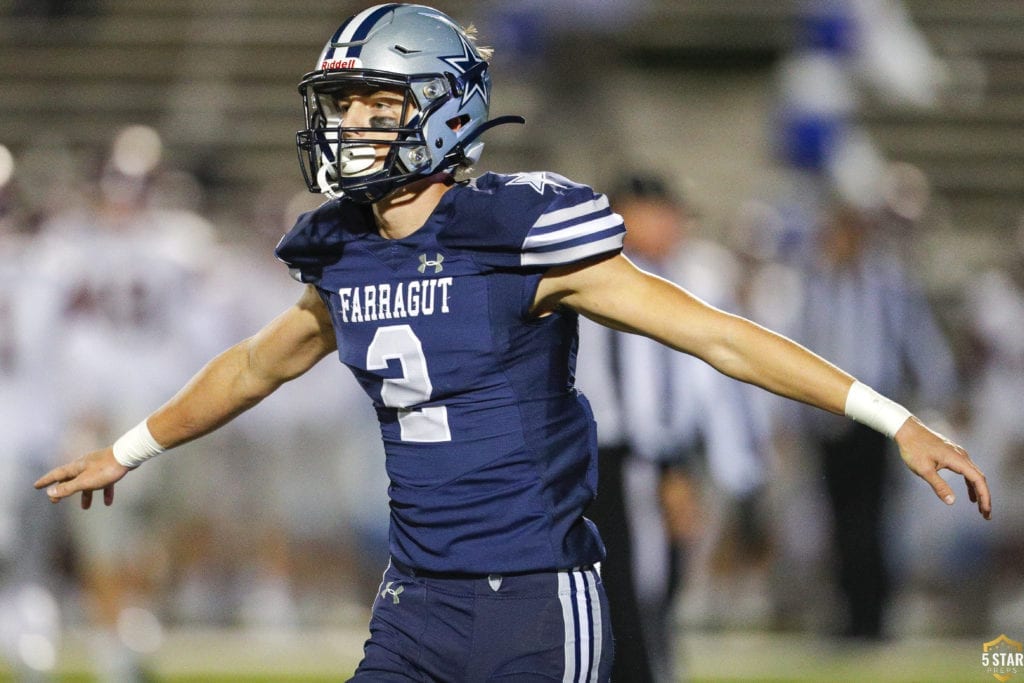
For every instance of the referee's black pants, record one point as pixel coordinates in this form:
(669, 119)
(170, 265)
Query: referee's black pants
(854, 467)
(632, 662)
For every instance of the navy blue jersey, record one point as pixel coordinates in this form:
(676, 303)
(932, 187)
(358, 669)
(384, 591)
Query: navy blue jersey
(491, 451)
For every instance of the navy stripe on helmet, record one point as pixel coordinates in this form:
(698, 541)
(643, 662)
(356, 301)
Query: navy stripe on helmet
(364, 30)
(334, 39)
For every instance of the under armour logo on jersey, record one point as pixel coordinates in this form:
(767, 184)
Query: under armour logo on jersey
(435, 264)
(393, 592)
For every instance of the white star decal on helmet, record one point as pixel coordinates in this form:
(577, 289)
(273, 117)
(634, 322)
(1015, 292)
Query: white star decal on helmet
(465, 63)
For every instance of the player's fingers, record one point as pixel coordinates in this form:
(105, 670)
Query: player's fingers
(53, 493)
(58, 492)
(979, 489)
(57, 474)
(86, 499)
(45, 480)
(939, 485)
(108, 495)
(971, 491)
(977, 485)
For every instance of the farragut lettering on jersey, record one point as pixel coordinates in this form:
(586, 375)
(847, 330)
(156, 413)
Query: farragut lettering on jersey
(394, 301)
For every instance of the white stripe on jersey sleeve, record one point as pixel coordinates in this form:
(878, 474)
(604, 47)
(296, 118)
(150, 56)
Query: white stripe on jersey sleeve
(596, 205)
(575, 253)
(571, 232)
(572, 226)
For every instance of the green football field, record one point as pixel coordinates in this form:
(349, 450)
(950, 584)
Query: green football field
(222, 656)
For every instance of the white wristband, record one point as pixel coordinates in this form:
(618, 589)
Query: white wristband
(870, 408)
(136, 446)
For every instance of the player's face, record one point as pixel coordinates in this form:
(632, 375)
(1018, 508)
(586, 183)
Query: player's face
(367, 113)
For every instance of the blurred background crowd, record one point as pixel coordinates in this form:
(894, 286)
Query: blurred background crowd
(848, 172)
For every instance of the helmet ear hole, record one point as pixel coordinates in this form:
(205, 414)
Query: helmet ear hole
(458, 121)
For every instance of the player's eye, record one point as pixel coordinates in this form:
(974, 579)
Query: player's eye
(388, 105)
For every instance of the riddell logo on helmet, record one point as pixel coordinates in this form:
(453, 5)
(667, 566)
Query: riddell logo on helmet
(348, 63)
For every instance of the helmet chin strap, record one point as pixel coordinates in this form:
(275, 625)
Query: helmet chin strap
(325, 183)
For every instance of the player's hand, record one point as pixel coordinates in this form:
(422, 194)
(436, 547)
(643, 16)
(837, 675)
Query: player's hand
(91, 472)
(927, 452)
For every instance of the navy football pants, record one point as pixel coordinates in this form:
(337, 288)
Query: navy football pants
(549, 626)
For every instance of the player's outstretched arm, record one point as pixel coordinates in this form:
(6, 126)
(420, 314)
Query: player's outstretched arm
(227, 386)
(616, 293)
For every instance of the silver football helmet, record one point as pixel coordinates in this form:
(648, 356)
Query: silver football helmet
(413, 50)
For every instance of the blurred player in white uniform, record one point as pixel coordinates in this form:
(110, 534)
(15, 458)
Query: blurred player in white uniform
(133, 323)
(31, 421)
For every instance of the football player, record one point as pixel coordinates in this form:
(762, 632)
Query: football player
(455, 303)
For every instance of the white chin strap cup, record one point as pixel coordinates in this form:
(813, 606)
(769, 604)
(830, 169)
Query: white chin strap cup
(357, 161)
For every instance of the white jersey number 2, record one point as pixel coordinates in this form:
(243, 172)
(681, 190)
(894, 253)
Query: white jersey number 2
(399, 342)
